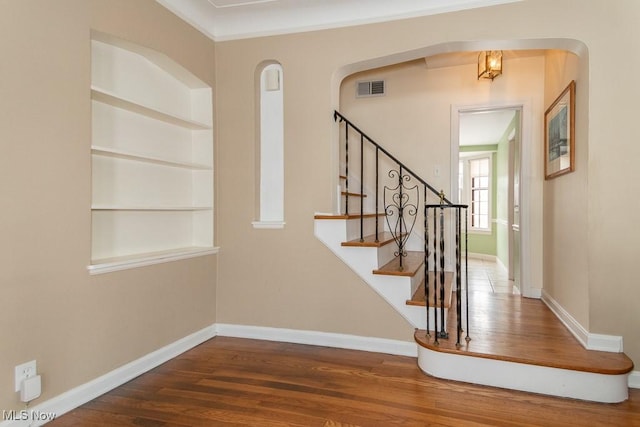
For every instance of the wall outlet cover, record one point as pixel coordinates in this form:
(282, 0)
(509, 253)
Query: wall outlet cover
(24, 371)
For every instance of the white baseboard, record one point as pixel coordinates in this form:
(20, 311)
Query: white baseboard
(326, 339)
(599, 342)
(483, 257)
(80, 395)
(634, 379)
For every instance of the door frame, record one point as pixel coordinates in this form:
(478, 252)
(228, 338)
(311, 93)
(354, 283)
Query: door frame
(528, 206)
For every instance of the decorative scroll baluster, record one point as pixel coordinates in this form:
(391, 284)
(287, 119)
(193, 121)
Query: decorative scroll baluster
(400, 205)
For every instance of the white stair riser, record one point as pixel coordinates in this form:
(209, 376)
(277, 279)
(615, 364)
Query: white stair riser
(416, 280)
(386, 253)
(530, 378)
(368, 227)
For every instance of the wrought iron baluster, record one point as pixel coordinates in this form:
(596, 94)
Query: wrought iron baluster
(377, 192)
(443, 332)
(346, 166)
(401, 218)
(361, 188)
(426, 257)
(458, 281)
(401, 204)
(466, 266)
(435, 275)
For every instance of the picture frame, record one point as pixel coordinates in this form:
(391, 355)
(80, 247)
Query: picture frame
(559, 134)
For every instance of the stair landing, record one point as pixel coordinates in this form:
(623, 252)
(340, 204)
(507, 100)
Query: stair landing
(512, 336)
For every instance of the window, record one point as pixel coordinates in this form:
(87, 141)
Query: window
(475, 190)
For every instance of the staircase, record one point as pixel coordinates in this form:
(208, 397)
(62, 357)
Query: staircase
(378, 235)
(376, 263)
(393, 237)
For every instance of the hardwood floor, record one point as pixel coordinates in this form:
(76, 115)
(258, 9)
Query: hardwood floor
(522, 330)
(232, 381)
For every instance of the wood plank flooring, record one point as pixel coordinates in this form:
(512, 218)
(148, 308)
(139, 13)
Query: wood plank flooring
(516, 329)
(232, 381)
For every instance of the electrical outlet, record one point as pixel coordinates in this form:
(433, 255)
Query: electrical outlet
(24, 371)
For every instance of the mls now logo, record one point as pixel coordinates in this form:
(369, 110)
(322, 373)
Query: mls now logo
(25, 415)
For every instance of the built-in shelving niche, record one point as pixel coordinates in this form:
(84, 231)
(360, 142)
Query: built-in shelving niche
(152, 158)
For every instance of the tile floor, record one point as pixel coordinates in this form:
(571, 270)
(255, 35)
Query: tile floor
(489, 276)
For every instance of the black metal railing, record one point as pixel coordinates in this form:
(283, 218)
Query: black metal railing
(400, 207)
(439, 248)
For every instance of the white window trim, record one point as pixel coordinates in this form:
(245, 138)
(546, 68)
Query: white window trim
(466, 190)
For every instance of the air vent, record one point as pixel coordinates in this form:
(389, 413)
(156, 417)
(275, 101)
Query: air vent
(370, 88)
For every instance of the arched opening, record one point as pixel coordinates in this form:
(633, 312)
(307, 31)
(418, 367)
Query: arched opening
(439, 167)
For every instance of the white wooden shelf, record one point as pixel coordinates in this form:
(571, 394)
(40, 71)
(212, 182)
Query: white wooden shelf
(107, 265)
(150, 208)
(109, 98)
(123, 154)
(152, 158)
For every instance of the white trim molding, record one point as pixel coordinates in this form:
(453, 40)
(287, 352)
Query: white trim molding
(82, 394)
(268, 225)
(519, 376)
(325, 339)
(157, 258)
(599, 342)
(634, 379)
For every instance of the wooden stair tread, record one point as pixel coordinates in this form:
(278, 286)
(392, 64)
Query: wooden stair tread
(523, 330)
(369, 241)
(418, 297)
(350, 216)
(410, 265)
(350, 194)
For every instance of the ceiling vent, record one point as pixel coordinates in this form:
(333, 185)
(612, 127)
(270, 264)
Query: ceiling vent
(370, 88)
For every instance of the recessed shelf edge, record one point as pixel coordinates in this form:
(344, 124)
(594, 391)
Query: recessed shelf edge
(122, 154)
(109, 98)
(142, 260)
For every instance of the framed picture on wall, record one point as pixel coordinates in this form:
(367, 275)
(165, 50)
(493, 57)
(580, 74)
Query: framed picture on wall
(559, 134)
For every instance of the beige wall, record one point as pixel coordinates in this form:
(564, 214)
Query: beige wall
(287, 279)
(414, 117)
(77, 326)
(565, 198)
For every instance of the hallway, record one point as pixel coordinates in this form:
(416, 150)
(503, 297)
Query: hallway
(489, 276)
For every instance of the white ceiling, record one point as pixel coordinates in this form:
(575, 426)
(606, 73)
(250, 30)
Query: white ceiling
(484, 127)
(235, 19)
